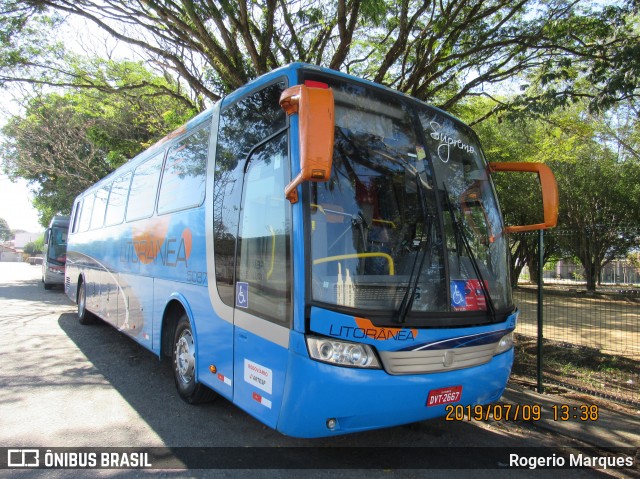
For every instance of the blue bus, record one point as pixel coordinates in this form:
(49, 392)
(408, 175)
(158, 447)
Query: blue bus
(324, 252)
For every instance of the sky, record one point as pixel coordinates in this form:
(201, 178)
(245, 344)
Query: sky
(16, 198)
(15, 206)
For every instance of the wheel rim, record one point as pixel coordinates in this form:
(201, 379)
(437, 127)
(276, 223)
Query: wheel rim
(185, 357)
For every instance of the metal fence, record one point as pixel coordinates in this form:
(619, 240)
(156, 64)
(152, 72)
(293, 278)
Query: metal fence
(590, 337)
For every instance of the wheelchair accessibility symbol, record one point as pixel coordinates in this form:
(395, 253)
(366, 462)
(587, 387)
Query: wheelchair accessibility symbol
(458, 294)
(242, 295)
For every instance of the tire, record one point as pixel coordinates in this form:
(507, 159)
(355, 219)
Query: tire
(184, 365)
(48, 286)
(84, 316)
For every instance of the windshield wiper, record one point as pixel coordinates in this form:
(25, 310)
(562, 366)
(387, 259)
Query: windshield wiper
(400, 315)
(459, 235)
(393, 156)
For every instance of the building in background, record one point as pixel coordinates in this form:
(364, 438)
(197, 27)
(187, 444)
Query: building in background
(9, 254)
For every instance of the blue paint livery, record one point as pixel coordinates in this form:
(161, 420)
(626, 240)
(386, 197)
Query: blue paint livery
(138, 274)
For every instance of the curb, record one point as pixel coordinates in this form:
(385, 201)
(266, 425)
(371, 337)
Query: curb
(589, 423)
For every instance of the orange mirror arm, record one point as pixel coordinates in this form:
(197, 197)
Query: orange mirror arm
(550, 197)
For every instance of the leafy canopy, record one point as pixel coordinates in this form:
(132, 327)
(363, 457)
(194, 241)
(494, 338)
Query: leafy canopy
(598, 174)
(439, 51)
(65, 142)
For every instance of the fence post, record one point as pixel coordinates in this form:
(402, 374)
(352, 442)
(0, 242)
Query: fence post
(540, 307)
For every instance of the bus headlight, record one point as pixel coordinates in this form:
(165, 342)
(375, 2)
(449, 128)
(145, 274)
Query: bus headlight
(342, 353)
(505, 343)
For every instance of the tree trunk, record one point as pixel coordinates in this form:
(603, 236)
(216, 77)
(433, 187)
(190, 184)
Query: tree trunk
(591, 273)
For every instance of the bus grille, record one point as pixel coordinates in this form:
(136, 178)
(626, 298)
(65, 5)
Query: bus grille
(435, 361)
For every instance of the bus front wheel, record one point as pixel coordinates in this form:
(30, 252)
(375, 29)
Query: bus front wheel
(184, 365)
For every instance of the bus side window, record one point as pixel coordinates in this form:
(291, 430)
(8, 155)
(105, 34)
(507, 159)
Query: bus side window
(117, 200)
(76, 216)
(99, 207)
(87, 209)
(264, 260)
(142, 197)
(183, 179)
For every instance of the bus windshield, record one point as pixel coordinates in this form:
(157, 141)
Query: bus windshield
(408, 223)
(57, 250)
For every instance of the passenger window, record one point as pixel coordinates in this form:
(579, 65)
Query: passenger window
(264, 261)
(99, 207)
(76, 216)
(183, 179)
(87, 209)
(117, 200)
(142, 198)
(242, 126)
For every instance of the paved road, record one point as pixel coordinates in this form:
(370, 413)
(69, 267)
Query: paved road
(67, 385)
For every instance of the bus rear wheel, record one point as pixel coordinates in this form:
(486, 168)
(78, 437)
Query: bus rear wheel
(84, 316)
(184, 365)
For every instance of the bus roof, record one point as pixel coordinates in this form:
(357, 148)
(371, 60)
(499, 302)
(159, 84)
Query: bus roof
(291, 72)
(59, 220)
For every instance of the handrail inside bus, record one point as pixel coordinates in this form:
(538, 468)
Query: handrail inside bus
(392, 270)
(324, 210)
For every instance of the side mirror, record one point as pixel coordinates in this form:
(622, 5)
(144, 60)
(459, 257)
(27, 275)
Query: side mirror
(549, 193)
(316, 120)
(47, 232)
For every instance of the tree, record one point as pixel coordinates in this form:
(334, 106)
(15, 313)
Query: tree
(598, 181)
(39, 244)
(512, 139)
(5, 231)
(32, 248)
(604, 74)
(601, 206)
(442, 52)
(64, 143)
(32, 52)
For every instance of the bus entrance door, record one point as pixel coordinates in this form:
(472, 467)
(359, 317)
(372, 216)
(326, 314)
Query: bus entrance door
(262, 314)
(261, 354)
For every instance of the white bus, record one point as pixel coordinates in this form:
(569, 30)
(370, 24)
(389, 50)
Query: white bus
(55, 252)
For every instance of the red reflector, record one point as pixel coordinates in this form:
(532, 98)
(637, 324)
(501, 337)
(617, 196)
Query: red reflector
(315, 84)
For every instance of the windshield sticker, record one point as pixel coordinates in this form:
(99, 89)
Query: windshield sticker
(446, 142)
(467, 295)
(458, 296)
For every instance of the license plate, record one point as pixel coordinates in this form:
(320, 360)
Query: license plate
(444, 396)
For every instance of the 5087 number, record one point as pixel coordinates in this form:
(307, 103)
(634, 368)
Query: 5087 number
(197, 277)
